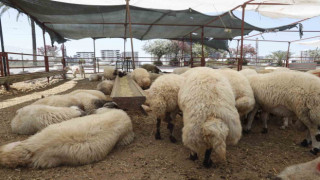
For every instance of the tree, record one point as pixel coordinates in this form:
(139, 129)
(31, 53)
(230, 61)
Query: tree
(158, 48)
(278, 56)
(4, 9)
(176, 49)
(315, 54)
(248, 51)
(51, 50)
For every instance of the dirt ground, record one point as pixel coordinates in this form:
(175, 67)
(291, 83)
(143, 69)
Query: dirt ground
(257, 156)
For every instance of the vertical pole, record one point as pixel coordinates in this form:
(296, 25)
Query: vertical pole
(46, 60)
(237, 52)
(22, 62)
(242, 32)
(63, 61)
(287, 60)
(202, 52)
(191, 58)
(94, 54)
(7, 61)
(130, 30)
(1, 66)
(2, 49)
(182, 53)
(124, 53)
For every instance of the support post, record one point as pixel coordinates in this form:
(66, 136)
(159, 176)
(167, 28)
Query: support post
(94, 58)
(46, 59)
(124, 51)
(4, 63)
(288, 52)
(237, 52)
(242, 32)
(63, 61)
(182, 53)
(203, 62)
(191, 58)
(130, 30)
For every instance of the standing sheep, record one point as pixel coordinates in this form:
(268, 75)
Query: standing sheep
(304, 171)
(78, 141)
(105, 87)
(289, 94)
(211, 120)
(141, 77)
(33, 118)
(162, 97)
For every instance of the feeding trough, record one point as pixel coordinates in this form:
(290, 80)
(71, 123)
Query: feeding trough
(127, 94)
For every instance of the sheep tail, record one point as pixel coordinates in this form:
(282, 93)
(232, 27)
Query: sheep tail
(14, 154)
(215, 133)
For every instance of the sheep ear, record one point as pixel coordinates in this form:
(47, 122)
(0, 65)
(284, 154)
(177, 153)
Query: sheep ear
(146, 108)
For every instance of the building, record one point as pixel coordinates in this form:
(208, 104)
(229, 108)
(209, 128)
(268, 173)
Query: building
(129, 54)
(110, 55)
(84, 55)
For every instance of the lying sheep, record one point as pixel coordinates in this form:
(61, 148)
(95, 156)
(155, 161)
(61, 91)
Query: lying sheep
(90, 102)
(141, 77)
(108, 73)
(60, 101)
(180, 70)
(105, 87)
(304, 171)
(151, 68)
(33, 118)
(289, 94)
(162, 97)
(96, 93)
(79, 141)
(95, 77)
(211, 120)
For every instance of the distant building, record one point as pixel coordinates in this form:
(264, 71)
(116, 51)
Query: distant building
(110, 55)
(83, 55)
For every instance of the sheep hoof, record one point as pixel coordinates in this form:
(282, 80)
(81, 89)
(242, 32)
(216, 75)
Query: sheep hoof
(158, 136)
(193, 157)
(246, 131)
(264, 131)
(314, 151)
(208, 163)
(173, 139)
(305, 143)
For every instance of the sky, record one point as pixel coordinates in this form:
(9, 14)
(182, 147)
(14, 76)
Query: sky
(17, 36)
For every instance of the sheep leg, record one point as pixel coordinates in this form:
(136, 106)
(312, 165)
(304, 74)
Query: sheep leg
(207, 162)
(170, 126)
(158, 135)
(193, 156)
(264, 117)
(247, 129)
(285, 123)
(306, 142)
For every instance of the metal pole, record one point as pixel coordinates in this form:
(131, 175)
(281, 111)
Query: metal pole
(182, 53)
(287, 61)
(94, 54)
(46, 60)
(242, 32)
(191, 58)
(130, 30)
(22, 62)
(124, 53)
(237, 53)
(2, 49)
(202, 52)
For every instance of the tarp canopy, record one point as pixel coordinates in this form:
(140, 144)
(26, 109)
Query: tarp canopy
(75, 21)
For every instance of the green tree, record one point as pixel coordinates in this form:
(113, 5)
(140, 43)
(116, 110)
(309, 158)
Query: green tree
(4, 9)
(51, 50)
(158, 48)
(315, 54)
(278, 56)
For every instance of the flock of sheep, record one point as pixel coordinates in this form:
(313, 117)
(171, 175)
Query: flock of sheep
(83, 127)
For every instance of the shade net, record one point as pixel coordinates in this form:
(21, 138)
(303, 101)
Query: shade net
(75, 21)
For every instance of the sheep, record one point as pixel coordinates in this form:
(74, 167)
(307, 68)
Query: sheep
(78, 141)
(33, 118)
(76, 70)
(96, 93)
(180, 70)
(89, 101)
(248, 72)
(105, 87)
(210, 118)
(108, 73)
(306, 171)
(141, 77)
(289, 94)
(162, 97)
(95, 77)
(151, 68)
(154, 76)
(60, 101)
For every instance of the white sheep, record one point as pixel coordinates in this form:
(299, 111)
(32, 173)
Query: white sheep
(180, 70)
(76, 70)
(162, 97)
(154, 76)
(90, 102)
(105, 87)
(211, 120)
(304, 171)
(96, 93)
(141, 77)
(248, 72)
(109, 72)
(79, 141)
(60, 101)
(95, 77)
(289, 94)
(33, 118)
